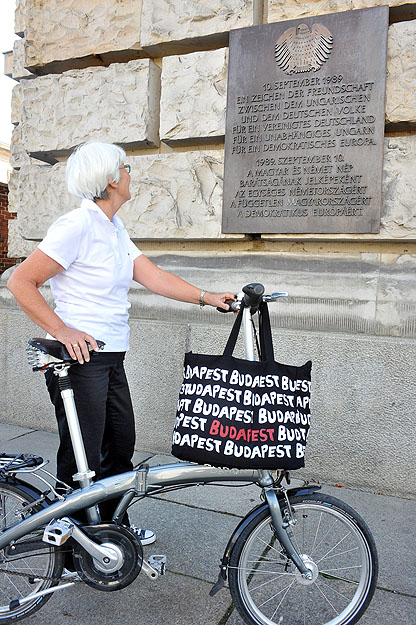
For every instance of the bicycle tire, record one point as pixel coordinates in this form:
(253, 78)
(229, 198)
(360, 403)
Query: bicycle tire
(335, 544)
(43, 560)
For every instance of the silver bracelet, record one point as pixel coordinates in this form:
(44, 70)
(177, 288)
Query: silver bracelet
(201, 299)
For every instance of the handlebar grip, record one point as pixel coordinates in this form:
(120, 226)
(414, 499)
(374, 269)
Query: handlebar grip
(233, 307)
(253, 294)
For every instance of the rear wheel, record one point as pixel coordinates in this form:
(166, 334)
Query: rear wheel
(24, 563)
(337, 547)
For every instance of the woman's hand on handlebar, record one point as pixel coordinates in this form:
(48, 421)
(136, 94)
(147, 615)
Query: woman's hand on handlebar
(219, 300)
(75, 342)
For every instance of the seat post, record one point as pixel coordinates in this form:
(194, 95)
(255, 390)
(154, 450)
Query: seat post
(85, 474)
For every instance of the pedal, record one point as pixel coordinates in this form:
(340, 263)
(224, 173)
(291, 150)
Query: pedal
(155, 566)
(158, 562)
(58, 531)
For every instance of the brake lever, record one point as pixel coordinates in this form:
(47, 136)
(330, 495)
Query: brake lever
(274, 296)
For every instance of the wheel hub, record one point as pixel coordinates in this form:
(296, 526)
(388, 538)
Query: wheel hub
(313, 568)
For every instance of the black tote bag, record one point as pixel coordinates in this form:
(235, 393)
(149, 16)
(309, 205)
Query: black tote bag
(242, 414)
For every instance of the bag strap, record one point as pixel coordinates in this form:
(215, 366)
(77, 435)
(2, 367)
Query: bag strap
(235, 330)
(265, 331)
(266, 343)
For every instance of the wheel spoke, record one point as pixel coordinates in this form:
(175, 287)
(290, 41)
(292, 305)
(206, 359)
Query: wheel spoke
(282, 599)
(341, 568)
(326, 598)
(269, 581)
(332, 589)
(277, 594)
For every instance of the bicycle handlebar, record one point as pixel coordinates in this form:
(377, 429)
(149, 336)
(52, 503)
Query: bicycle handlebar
(252, 295)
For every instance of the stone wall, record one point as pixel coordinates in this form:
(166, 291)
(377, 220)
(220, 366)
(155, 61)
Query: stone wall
(152, 76)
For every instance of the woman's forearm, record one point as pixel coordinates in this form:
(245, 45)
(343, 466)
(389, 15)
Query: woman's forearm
(32, 302)
(169, 285)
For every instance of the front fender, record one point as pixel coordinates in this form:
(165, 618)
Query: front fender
(242, 526)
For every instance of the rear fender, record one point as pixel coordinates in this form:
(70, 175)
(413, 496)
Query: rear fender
(29, 489)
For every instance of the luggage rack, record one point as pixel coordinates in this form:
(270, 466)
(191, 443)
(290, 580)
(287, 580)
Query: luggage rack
(12, 463)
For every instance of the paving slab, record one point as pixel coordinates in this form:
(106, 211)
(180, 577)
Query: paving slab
(8, 432)
(193, 539)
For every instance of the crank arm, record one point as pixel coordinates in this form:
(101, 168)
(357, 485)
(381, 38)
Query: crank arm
(58, 532)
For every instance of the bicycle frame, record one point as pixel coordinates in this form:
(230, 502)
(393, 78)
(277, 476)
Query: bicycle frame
(144, 481)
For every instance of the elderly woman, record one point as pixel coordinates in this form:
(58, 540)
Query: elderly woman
(90, 261)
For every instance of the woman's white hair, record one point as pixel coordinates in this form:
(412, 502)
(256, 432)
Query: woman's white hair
(91, 167)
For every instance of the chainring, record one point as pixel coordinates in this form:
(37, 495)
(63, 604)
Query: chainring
(123, 540)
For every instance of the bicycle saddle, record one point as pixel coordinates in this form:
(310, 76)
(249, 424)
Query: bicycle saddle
(53, 348)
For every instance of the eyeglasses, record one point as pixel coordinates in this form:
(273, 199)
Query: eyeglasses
(127, 167)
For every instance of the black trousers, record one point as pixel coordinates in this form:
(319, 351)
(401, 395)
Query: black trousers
(105, 413)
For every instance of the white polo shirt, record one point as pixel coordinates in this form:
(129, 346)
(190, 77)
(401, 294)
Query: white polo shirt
(97, 256)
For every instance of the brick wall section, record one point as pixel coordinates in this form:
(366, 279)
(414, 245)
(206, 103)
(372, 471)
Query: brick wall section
(5, 262)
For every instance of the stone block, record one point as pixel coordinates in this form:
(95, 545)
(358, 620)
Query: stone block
(8, 64)
(399, 188)
(117, 104)
(401, 73)
(174, 196)
(18, 69)
(20, 18)
(18, 154)
(193, 98)
(57, 30)
(16, 104)
(19, 247)
(279, 10)
(168, 26)
(43, 186)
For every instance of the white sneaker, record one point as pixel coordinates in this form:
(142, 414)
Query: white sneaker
(146, 537)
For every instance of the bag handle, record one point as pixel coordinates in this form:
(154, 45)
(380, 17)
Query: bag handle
(266, 343)
(235, 330)
(265, 331)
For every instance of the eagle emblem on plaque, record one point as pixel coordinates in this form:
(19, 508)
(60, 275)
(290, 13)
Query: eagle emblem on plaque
(301, 49)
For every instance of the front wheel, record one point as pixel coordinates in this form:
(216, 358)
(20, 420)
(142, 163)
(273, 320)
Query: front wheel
(28, 565)
(335, 544)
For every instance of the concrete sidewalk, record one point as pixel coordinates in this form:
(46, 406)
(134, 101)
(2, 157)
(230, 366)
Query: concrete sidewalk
(193, 527)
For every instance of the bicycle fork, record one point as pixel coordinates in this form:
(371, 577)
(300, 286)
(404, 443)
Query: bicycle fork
(280, 526)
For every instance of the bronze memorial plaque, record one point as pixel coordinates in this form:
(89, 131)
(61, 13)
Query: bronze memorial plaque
(305, 125)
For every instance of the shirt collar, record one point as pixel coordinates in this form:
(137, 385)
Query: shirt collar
(92, 206)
